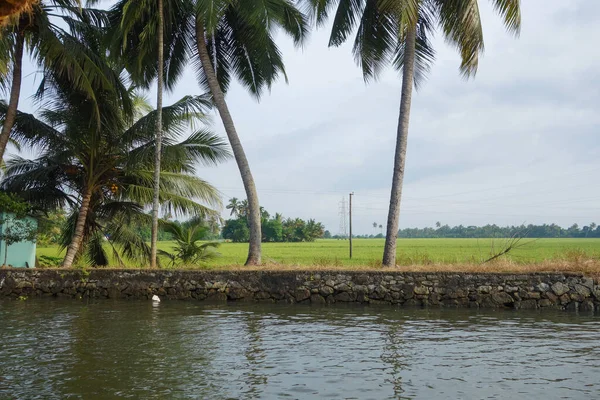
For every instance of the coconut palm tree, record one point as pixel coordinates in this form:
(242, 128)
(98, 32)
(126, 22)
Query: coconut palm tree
(62, 38)
(158, 136)
(189, 249)
(399, 32)
(225, 39)
(105, 173)
(234, 206)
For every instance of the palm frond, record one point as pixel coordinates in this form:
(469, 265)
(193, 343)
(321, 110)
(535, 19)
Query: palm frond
(461, 25)
(510, 10)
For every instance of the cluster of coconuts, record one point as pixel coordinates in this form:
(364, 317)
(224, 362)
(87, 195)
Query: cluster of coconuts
(13, 8)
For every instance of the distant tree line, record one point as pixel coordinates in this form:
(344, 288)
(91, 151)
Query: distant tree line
(531, 231)
(274, 228)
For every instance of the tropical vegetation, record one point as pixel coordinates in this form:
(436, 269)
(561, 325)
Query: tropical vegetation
(104, 173)
(400, 33)
(63, 39)
(274, 229)
(103, 157)
(190, 247)
(224, 39)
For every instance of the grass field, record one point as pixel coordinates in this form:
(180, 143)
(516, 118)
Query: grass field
(368, 252)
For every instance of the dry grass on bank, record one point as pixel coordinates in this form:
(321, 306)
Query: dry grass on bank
(588, 267)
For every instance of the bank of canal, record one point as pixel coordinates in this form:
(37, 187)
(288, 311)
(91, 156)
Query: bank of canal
(474, 290)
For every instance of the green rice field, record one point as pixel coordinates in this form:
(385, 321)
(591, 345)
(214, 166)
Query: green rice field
(368, 252)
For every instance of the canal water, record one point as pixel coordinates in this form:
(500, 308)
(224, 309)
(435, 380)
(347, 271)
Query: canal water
(51, 349)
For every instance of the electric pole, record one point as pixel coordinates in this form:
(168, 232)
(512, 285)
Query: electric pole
(350, 225)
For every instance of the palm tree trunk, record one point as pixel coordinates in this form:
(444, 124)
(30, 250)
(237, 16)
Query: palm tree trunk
(389, 252)
(77, 238)
(254, 250)
(15, 92)
(158, 135)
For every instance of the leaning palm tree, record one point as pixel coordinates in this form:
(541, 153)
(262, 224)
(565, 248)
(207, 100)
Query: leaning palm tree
(225, 39)
(62, 38)
(105, 173)
(234, 206)
(399, 32)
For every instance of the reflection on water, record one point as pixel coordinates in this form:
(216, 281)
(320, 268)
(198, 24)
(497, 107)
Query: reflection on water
(185, 350)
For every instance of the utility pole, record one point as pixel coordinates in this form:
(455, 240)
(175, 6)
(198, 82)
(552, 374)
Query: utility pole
(350, 214)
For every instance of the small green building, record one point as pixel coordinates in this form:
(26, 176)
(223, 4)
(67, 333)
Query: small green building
(18, 253)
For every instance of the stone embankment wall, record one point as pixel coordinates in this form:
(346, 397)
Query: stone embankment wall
(553, 290)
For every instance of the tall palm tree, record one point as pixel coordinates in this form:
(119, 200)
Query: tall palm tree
(399, 32)
(61, 38)
(106, 173)
(158, 135)
(234, 206)
(225, 39)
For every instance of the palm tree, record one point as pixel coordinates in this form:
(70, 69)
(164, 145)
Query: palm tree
(243, 209)
(232, 38)
(234, 206)
(399, 31)
(158, 136)
(71, 52)
(106, 173)
(188, 250)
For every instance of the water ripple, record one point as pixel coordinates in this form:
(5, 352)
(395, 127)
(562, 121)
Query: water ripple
(185, 350)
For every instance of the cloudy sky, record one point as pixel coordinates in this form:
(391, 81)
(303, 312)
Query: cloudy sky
(517, 144)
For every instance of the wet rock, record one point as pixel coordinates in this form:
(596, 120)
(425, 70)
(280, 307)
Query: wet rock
(560, 288)
(262, 296)
(345, 297)
(216, 296)
(527, 305)
(545, 303)
(301, 294)
(238, 293)
(411, 303)
(532, 295)
(317, 299)
(572, 306)
(587, 305)
(502, 298)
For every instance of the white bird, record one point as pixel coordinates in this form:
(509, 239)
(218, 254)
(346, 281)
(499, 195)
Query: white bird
(156, 298)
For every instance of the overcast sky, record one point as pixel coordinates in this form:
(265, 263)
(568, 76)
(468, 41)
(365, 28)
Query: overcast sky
(517, 144)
